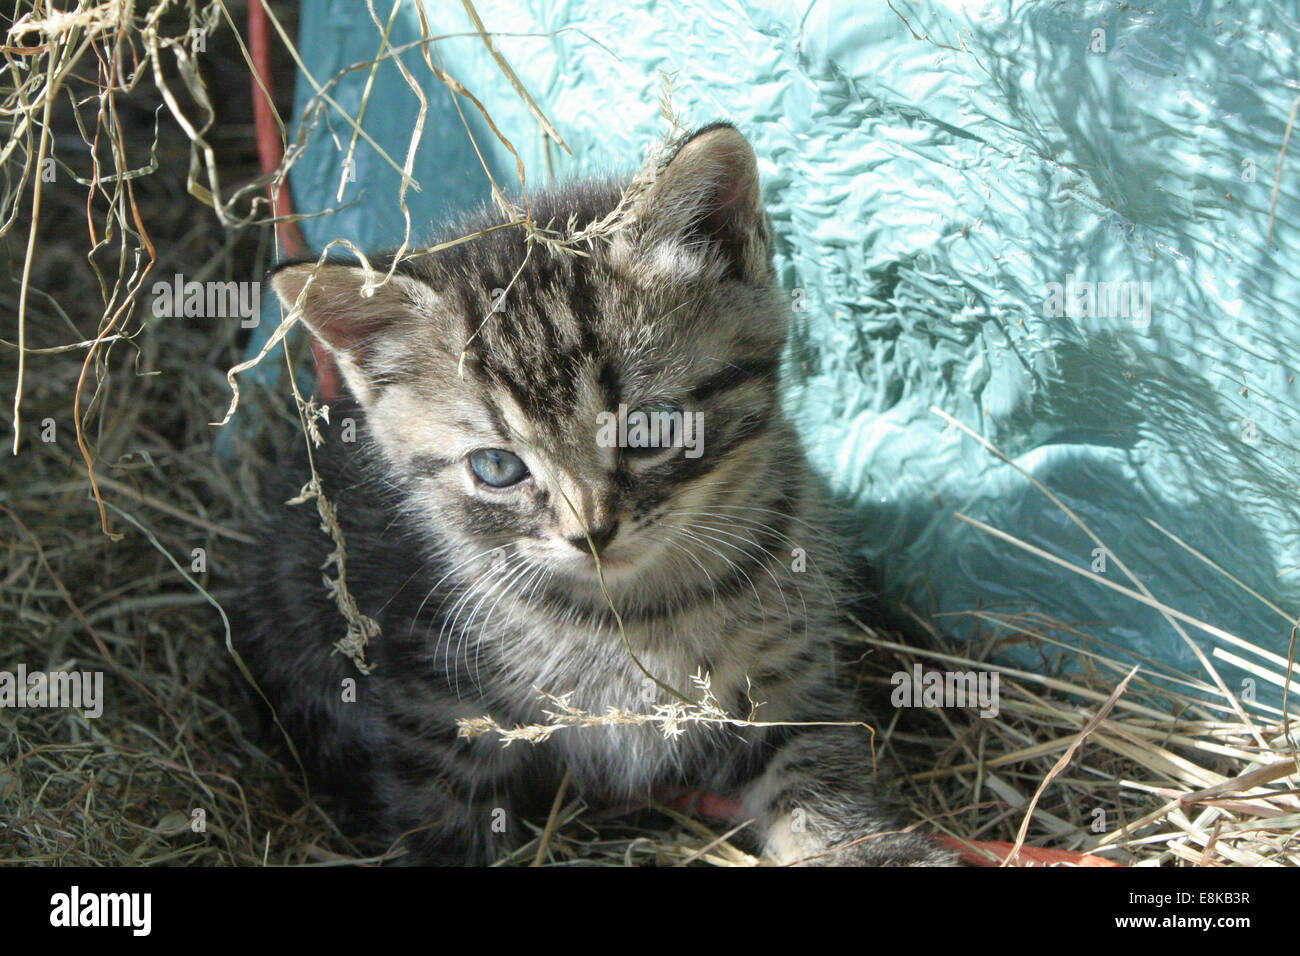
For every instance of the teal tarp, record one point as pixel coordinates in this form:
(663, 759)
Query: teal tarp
(940, 178)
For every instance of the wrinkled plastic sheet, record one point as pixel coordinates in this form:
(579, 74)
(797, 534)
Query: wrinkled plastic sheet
(940, 179)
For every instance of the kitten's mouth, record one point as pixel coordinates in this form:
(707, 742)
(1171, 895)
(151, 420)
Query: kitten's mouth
(617, 562)
(608, 562)
(612, 564)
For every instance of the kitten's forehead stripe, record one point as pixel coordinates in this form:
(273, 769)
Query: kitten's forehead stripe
(609, 384)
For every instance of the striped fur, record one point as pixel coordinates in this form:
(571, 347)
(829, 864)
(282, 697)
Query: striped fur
(486, 596)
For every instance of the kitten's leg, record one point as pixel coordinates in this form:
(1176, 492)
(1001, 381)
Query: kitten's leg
(457, 803)
(814, 800)
(433, 826)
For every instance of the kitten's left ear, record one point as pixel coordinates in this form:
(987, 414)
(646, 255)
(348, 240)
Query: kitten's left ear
(707, 199)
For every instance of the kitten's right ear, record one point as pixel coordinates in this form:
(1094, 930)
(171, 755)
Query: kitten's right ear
(354, 327)
(708, 197)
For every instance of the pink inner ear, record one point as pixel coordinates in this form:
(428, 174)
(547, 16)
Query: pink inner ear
(327, 373)
(730, 212)
(333, 308)
(721, 219)
(350, 329)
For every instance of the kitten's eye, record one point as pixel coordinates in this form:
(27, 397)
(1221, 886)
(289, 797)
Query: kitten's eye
(497, 467)
(653, 428)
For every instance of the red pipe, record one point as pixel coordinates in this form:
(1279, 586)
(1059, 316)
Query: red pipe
(270, 151)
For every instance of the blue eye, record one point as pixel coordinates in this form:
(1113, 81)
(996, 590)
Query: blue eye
(653, 428)
(497, 467)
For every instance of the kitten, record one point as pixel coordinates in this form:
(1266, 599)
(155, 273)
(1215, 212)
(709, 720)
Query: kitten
(475, 494)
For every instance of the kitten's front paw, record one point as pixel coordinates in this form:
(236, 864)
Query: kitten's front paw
(885, 849)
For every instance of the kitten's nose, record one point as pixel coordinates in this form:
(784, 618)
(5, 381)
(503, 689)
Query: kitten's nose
(599, 537)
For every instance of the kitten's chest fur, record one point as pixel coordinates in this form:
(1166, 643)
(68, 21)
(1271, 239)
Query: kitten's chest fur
(725, 662)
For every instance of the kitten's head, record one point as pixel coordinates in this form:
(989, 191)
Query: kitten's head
(544, 404)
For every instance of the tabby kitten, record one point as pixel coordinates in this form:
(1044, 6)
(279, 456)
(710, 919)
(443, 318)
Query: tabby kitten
(481, 488)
